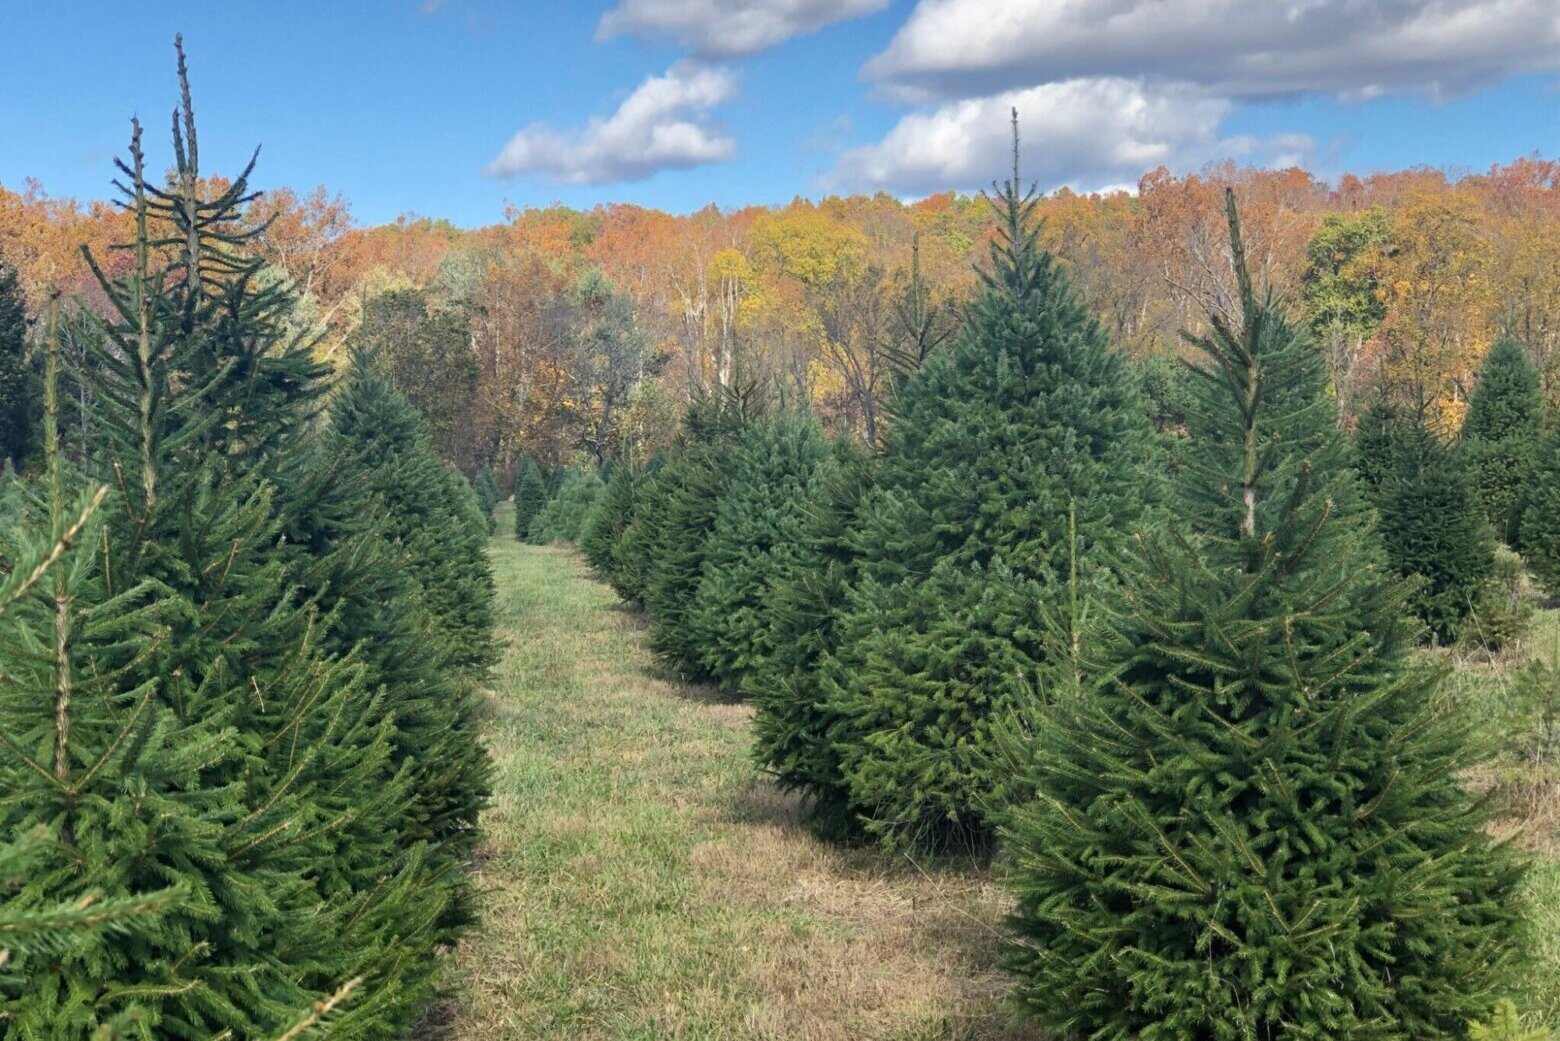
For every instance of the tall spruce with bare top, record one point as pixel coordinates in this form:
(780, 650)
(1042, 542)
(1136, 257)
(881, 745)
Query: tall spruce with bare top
(177, 719)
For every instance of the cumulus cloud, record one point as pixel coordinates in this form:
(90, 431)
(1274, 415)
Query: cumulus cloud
(1086, 133)
(1241, 49)
(663, 125)
(728, 28)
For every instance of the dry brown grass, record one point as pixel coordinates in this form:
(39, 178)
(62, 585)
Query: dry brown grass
(640, 880)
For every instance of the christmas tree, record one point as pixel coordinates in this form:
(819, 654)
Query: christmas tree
(1253, 823)
(530, 496)
(1502, 433)
(486, 489)
(1434, 530)
(793, 722)
(18, 376)
(175, 717)
(1541, 515)
(753, 541)
(603, 529)
(1024, 418)
(563, 518)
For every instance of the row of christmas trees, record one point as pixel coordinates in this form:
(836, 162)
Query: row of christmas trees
(1174, 682)
(245, 616)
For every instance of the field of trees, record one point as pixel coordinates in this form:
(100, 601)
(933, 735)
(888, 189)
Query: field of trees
(1122, 617)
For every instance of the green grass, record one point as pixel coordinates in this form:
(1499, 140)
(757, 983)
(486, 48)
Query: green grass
(639, 879)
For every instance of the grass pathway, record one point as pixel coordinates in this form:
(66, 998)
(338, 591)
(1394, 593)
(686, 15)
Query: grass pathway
(639, 879)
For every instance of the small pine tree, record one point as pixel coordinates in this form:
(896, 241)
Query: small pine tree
(753, 541)
(530, 496)
(793, 722)
(603, 529)
(1377, 434)
(1024, 417)
(1253, 822)
(1541, 516)
(486, 489)
(629, 568)
(19, 418)
(1435, 532)
(564, 516)
(428, 511)
(681, 510)
(1502, 434)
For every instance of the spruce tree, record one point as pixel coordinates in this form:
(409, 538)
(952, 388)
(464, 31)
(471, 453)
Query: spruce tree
(19, 418)
(1434, 530)
(1541, 515)
(1253, 823)
(1377, 434)
(753, 541)
(1025, 417)
(630, 564)
(530, 496)
(428, 511)
(793, 721)
(1502, 433)
(604, 528)
(681, 510)
(174, 715)
(486, 489)
(563, 518)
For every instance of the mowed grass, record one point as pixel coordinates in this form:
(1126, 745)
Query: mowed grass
(640, 879)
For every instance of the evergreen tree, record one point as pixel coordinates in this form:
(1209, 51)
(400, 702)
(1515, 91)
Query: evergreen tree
(1377, 434)
(563, 518)
(429, 512)
(681, 510)
(793, 721)
(1502, 434)
(174, 716)
(486, 489)
(629, 569)
(1026, 416)
(603, 529)
(1434, 530)
(18, 377)
(753, 541)
(1253, 823)
(530, 496)
(1541, 515)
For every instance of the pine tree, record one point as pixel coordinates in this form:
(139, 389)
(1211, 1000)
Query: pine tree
(1435, 532)
(1541, 515)
(681, 509)
(1502, 434)
(18, 379)
(630, 565)
(1024, 417)
(486, 489)
(530, 496)
(603, 529)
(428, 511)
(1253, 823)
(753, 541)
(793, 721)
(563, 518)
(174, 716)
(1377, 433)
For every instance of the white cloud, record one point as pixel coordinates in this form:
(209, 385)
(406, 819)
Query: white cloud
(728, 28)
(662, 125)
(1084, 133)
(1236, 48)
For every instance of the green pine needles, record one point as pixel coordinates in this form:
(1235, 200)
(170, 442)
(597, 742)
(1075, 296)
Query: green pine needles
(1253, 823)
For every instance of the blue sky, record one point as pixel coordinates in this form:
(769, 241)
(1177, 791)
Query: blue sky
(453, 108)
